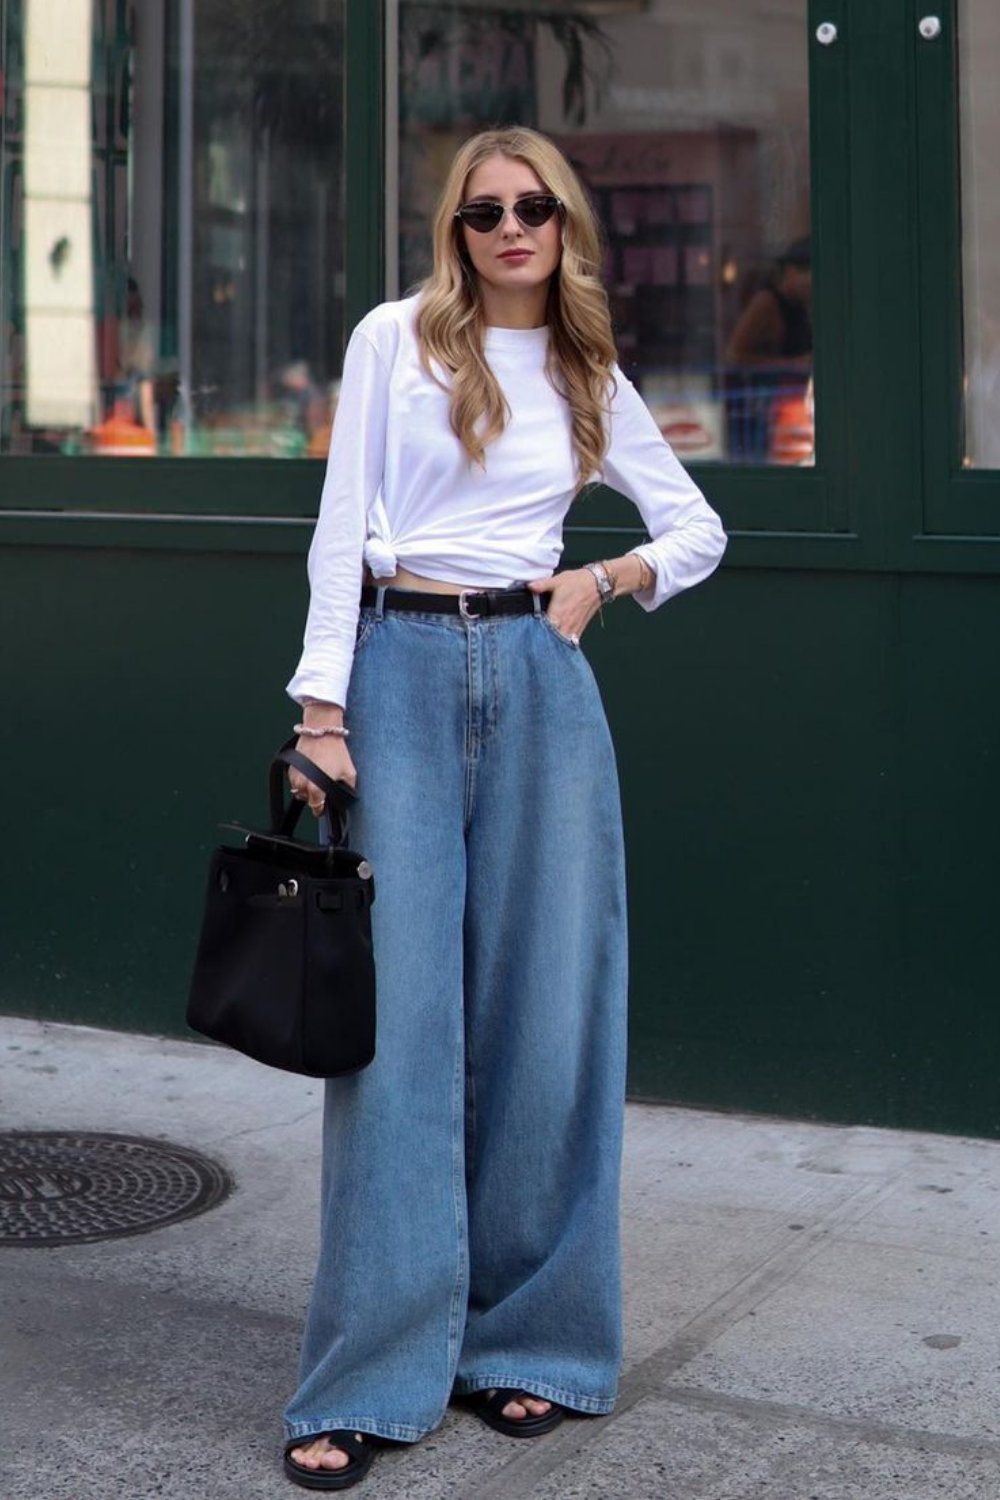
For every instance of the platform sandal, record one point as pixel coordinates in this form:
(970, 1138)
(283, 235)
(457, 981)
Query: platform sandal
(358, 1446)
(489, 1406)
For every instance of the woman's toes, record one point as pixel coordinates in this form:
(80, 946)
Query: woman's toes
(527, 1406)
(335, 1458)
(320, 1455)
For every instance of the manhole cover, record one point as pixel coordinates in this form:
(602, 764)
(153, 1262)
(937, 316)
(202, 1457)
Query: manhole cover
(60, 1189)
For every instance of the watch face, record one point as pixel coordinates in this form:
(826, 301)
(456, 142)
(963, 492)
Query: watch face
(604, 585)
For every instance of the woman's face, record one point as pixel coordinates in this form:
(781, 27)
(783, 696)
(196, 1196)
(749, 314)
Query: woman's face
(511, 257)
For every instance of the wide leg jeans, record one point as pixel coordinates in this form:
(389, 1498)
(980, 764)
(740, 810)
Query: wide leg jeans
(471, 1174)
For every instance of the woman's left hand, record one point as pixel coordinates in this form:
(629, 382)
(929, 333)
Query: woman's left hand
(573, 600)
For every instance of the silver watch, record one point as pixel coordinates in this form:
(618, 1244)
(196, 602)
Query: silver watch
(602, 578)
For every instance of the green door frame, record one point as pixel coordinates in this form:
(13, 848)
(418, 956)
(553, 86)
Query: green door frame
(364, 90)
(957, 502)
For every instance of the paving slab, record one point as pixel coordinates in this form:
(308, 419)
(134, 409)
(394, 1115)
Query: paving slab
(811, 1311)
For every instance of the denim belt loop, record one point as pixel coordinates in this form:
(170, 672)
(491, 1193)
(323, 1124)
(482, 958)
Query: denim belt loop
(537, 602)
(380, 602)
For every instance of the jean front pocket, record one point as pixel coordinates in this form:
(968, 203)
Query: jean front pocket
(572, 643)
(366, 624)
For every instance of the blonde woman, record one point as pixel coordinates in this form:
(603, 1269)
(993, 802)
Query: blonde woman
(469, 1242)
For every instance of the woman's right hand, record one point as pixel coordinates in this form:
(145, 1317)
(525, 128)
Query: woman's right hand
(331, 754)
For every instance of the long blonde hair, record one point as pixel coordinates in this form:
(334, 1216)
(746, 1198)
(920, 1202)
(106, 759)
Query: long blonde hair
(451, 322)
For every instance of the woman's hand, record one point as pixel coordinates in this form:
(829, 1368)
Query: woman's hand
(328, 751)
(332, 756)
(573, 600)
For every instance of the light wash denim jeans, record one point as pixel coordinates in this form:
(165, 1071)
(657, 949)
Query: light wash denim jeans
(471, 1173)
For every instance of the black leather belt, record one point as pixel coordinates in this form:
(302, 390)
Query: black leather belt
(471, 604)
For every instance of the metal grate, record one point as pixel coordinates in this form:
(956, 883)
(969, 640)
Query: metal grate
(61, 1188)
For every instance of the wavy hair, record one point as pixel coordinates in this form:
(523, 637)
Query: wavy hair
(451, 321)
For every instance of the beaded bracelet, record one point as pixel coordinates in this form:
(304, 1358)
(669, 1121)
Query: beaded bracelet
(321, 730)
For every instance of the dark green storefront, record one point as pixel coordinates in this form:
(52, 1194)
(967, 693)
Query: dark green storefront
(808, 744)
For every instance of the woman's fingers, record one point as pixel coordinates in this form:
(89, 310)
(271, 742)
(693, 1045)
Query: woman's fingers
(333, 758)
(573, 601)
(306, 791)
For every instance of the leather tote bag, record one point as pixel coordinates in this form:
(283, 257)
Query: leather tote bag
(284, 970)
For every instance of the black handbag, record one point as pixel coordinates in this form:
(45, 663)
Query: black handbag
(284, 970)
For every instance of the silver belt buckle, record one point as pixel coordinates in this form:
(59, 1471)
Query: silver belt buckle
(463, 603)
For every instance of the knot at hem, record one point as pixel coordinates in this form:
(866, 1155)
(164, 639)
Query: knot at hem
(380, 557)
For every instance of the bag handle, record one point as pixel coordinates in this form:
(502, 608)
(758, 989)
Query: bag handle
(339, 796)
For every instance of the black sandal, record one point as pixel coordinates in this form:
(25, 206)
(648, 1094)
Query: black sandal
(357, 1445)
(489, 1406)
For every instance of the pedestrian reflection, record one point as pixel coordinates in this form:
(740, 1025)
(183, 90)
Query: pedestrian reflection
(769, 362)
(129, 428)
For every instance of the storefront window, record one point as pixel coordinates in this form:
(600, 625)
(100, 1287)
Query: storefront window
(171, 247)
(689, 124)
(979, 63)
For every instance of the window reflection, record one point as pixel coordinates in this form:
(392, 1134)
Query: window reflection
(769, 363)
(171, 259)
(979, 62)
(690, 128)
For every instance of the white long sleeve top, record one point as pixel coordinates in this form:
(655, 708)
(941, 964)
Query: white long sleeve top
(400, 489)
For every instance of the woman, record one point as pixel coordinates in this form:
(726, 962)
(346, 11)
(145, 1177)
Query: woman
(470, 1181)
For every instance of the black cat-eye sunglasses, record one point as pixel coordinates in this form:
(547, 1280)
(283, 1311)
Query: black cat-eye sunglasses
(533, 210)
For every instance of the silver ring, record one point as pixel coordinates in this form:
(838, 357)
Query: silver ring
(573, 639)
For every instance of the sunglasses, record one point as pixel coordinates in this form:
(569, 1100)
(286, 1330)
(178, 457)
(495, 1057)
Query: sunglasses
(533, 210)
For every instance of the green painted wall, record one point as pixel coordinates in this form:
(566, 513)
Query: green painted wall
(809, 779)
(815, 900)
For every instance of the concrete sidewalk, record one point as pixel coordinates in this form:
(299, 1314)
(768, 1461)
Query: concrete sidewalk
(812, 1312)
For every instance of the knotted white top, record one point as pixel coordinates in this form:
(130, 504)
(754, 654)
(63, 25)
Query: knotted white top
(400, 489)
